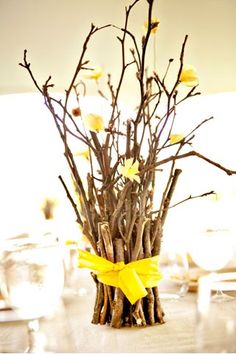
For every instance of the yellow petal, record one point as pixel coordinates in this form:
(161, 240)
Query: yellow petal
(136, 178)
(189, 76)
(94, 73)
(129, 163)
(154, 25)
(176, 138)
(69, 242)
(84, 154)
(135, 167)
(94, 122)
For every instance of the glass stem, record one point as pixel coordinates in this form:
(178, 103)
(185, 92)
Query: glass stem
(219, 292)
(35, 340)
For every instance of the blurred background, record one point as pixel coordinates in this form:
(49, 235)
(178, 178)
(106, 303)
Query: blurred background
(53, 32)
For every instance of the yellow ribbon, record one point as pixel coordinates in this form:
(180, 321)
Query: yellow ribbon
(131, 278)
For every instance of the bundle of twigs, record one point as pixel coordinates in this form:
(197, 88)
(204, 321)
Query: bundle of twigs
(126, 156)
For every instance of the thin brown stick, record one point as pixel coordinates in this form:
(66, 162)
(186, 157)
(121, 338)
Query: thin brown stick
(197, 154)
(98, 304)
(159, 312)
(118, 305)
(169, 195)
(79, 220)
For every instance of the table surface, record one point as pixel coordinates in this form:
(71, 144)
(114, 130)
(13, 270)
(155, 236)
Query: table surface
(70, 330)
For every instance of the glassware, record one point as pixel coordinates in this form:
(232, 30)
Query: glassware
(212, 250)
(215, 325)
(32, 280)
(174, 267)
(78, 281)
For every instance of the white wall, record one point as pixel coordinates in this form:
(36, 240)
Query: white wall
(53, 32)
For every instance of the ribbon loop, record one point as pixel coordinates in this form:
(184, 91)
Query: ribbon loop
(131, 278)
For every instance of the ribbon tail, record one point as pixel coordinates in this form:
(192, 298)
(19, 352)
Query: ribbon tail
(131, 285)
(109, 278)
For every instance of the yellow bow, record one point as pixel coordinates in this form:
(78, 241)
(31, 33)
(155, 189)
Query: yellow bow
(131, 278)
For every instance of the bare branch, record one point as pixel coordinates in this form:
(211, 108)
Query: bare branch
(79, 220)
(195, 153)
(191, 197)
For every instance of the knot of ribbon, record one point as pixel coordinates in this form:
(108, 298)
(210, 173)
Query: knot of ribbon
(118, 266)
(132, 278)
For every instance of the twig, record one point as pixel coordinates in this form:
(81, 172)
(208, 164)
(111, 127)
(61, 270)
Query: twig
(169, 195)
(195, 153)
(192, 197)
(79, 220)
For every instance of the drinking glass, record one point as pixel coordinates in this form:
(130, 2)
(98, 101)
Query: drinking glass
(212, 250)
(31, 280)
(78, 281)
(216, 323)
(174, 267)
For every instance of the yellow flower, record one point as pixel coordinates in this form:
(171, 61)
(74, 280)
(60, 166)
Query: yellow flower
(94, 73)
(84, 153)
(154, 25)
(176, 138)
(189, 76)
(129, 170)
(94, 122)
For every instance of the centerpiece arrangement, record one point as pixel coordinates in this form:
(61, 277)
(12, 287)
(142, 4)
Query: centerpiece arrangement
(117, 206)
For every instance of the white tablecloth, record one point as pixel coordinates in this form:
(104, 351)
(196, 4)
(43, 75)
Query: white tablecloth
(70, 330)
